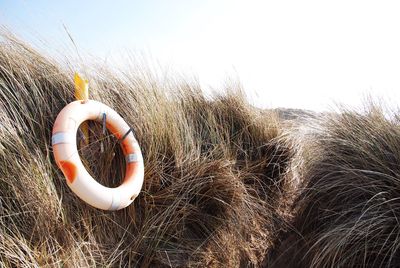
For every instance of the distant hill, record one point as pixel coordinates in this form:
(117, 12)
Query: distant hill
(294, 114)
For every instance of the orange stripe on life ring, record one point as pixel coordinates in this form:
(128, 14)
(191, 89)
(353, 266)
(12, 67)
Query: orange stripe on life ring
(69, 169)
(130, 172)
(113, 130)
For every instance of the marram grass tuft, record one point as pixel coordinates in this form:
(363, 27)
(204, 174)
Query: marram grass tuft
(348, 212)
(215, 173)
(226, 184)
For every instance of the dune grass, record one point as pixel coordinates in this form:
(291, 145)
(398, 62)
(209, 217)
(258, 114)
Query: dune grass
(348, 212)
(226, 184)
(216, 179)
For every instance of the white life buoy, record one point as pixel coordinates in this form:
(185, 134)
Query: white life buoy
(68, 160)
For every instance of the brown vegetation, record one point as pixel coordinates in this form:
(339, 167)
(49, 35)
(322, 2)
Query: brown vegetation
(348, 212)
(226, 184)
(216, 187)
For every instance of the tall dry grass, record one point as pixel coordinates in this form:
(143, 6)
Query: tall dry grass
(349, 210)
(226, 184)
(216, 183)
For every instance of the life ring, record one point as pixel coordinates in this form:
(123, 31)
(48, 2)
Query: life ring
(68, 160)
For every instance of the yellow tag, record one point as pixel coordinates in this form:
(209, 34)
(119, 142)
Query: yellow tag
(81, 88)
(82, 93)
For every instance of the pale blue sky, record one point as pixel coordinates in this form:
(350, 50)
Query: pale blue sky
(100, 26)
(301, 54)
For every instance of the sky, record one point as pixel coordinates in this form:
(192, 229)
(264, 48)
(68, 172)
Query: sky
(295, 54)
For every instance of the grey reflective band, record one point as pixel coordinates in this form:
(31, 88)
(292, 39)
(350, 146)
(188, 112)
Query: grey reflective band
(116, 201)
(62, 137)
(132, 158)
